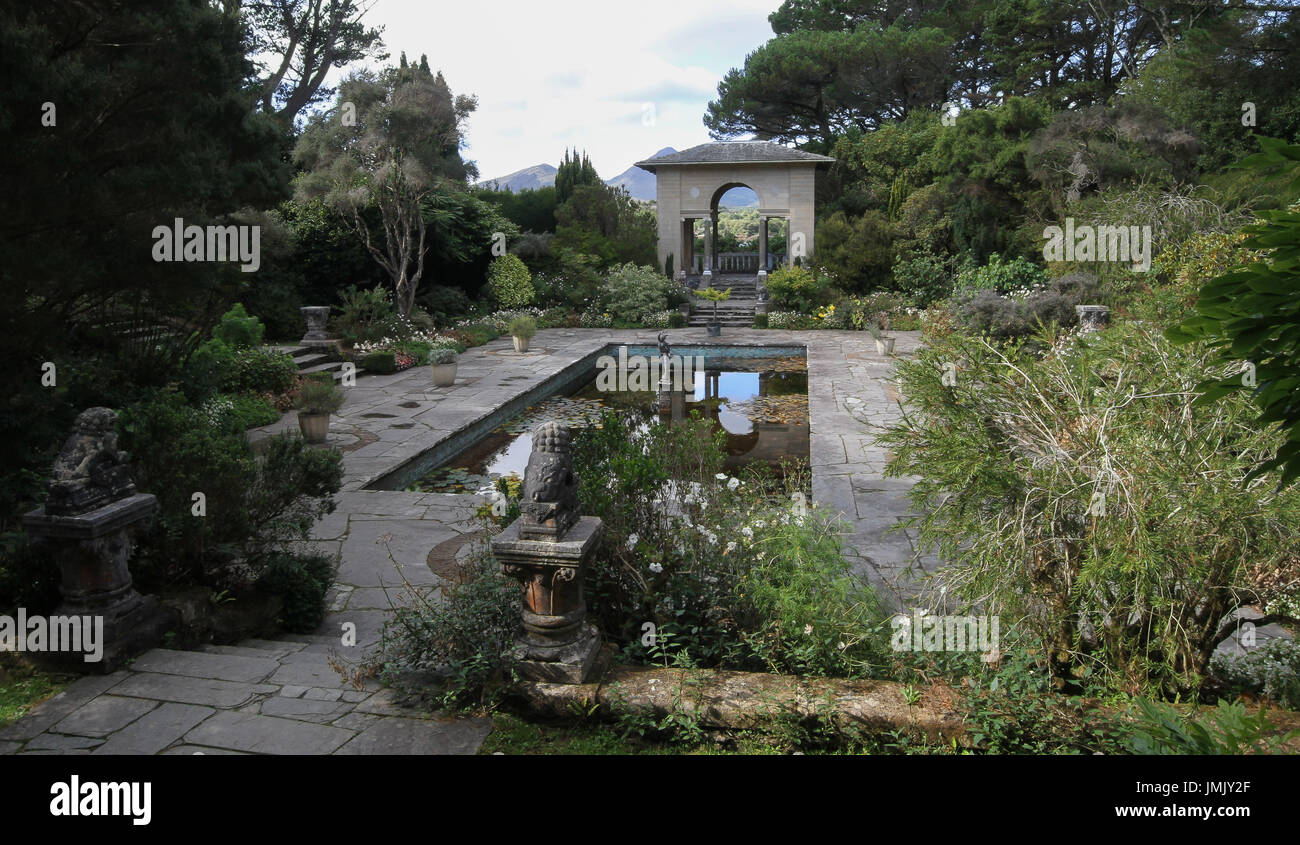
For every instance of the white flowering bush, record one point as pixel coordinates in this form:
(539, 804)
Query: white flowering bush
(594, 318)
(1273, 669)
(735, 572)
(786, 320)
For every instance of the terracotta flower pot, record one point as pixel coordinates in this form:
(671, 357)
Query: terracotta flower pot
(521, 343)
(444, 375)
(315, 427)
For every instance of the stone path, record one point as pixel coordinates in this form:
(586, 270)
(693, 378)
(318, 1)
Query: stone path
(283, 696)
(262, 696)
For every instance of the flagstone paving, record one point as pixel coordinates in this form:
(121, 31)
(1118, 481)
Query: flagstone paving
(285, 696)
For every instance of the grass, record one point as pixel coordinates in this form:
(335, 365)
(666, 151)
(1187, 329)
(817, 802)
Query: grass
(23, 686)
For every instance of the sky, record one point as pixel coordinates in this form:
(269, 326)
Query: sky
(619, 79)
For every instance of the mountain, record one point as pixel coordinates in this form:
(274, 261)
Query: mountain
(537, 176)
(639, 183)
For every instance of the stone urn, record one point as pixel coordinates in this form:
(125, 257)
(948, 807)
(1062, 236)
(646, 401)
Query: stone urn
(884, 345)
(315, 427)
(521, 343)
(714, 329)
(444, 375)
(316, 317)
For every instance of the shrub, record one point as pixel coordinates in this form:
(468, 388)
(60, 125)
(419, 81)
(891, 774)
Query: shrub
(238, 329)
(319, 397)
(301, 581)
(523, 327)
(462, 634)
(634, 294)
(1082, 493)
(1003, 276)
(29, 575)
(364, 315)
(760, 321)
(797, 289)
(444, 303)
(1273, 669)
(382, 361)
(1228, 729)
(476, 334)
(258, 371)
(236, 413)
(442, 356)
(923, 277)
(676, 320)
(253, 508)
(787, 320)
(509, 282)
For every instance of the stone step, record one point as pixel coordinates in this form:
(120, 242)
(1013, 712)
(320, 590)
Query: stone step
(327, 367)
(310, 359)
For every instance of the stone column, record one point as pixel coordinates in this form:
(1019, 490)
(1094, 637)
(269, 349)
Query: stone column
(688, 245)
(548, 549)
(714, 219)
(762, 243)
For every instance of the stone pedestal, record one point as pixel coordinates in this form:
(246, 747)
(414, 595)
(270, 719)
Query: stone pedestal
(556, 644)
(92, 550)
(1092, 317)
(316, 317)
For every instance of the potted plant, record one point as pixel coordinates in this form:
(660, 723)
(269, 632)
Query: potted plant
(317, 399)
(878, 325)
(443, 360)
(715, 296)
(522, 329)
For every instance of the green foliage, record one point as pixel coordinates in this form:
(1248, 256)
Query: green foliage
(320, 396)
(364, 315)
(1249, 315)
(478, 334)
(1228, 729)
(532, 209)
(855, 254)
(301, 581)
(760, 321)
(634, 294)
(574, 173)
(608, 225)
(1273, 669)
(442, 356)
(252, 506)
(236, 413)
(923, 277)
(509, 282)
(382, 361)
(239, 330)
(730, 572)
(1064, 490)
(523, 326)
(461, 635)
(798, 289)
(1002, 275)
(444, 303)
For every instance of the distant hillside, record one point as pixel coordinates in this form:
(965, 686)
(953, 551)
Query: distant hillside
(530, 178)
(639, 183)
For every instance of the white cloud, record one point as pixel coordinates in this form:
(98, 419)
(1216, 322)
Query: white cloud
(551, 75)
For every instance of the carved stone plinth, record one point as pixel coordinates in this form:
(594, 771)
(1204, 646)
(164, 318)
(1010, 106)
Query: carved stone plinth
(555, 644)
(92, 550)
(1092, 317)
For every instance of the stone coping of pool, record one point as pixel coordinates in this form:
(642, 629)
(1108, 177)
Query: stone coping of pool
(441, 449)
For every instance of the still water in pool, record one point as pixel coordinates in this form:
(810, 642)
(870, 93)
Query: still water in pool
(761, 404)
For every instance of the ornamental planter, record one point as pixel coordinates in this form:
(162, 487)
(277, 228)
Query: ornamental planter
(315, 427)
(715, 329)
(521, 343)
(444, 375)
(884, 346)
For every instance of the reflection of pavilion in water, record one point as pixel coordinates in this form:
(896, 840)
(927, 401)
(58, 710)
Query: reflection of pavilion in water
(748, 441)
